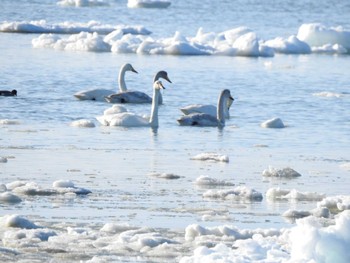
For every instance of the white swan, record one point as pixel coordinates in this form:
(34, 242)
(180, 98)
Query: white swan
(129, 96)
(100, 94)
(109, 113)
(203, 119)
(128, 119)
(208, 109)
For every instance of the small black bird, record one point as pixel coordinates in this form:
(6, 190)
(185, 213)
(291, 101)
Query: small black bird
(8, 93)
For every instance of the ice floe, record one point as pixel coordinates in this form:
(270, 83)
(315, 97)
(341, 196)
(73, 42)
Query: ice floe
(237, 193)
(9, 122)
(293, 194)
(273, 123)
(148, 4)
(41, 26)
(215, 157)
(209, 181)
(281, 173)
(169, 176)
(83, 123)
(33, 189)
(82, 3)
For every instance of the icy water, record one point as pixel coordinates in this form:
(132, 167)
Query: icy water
(148, 202)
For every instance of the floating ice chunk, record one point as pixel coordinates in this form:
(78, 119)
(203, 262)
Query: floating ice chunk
(9, 198)
(292, 45)
(284, 172)
(193, 231)
(67, 186)
(17, 221)
(310, 242)
(330, 49)
(9, 122)
(296, 213)
(170, 176)
(3, 160)
(208, 181)
(211, 157)
(273, 123)
(328, 94)
(318, 35)
(83, 41)
(116, 228)
(277, 193)
(148, 4)
(335, 203)
(345, 166)
(247, 45)
(83, 123)
(81, 3)
(238, 193)
(317, 212)
(29, 188)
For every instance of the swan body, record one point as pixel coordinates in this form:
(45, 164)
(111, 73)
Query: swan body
(8, 93)
(130, 96)
(207, 109)
(100, 94)
(109, 113)
(205, 119)
(128, 119)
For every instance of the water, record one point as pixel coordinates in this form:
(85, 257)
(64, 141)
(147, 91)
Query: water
(116, 163)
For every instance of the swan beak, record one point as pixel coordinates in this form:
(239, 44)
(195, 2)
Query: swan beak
(231, 98)
(167, 79)
(133, 70)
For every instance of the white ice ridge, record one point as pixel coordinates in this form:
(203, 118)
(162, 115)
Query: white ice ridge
(41, 26)
(240, 41)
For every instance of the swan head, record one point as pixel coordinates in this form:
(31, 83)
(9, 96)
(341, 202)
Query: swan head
(158, 85)
(162, 74)
(129, 67)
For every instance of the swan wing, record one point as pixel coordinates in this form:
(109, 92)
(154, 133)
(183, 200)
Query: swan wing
(127, 119)
(94, 94)
(198, 119)
(129, 97)
(115, 109)
(199, 108)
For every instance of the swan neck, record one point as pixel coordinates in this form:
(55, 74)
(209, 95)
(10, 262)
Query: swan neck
(221, 110)
(154, 111)
(121, 80)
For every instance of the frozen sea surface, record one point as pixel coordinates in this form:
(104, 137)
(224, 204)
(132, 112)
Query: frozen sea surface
(72, 190)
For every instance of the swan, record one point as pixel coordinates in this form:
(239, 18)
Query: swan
(109, 113)
(208, 109)
(100, 94)
(8, 93)
(204, 119)
(128, 119)
(129, 96)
